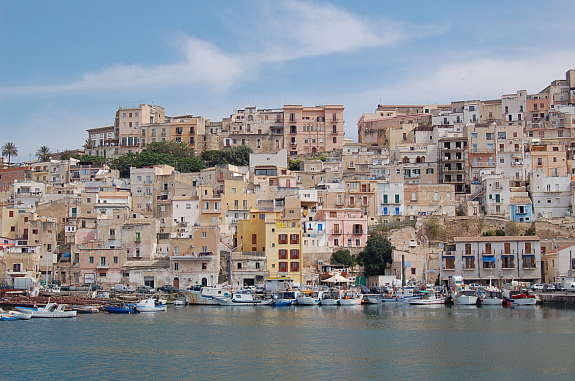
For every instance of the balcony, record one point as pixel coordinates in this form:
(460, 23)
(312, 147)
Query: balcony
(102, 266)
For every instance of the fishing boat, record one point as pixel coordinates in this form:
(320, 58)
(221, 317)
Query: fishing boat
(351, 298)
(427, 298)
(310, 298)
(331, 298)
(465, 298)
(180, 302)
(51, 310)
(206, 295)
(150, 305)
(242, 298)
(519, 298)
(490, 297)
(121, 309)
(7, 317)
(284, 298)
(372, 299)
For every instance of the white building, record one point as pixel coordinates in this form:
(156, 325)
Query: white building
(551, 195)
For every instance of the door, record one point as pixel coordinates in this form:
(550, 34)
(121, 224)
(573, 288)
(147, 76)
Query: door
(204, 282)
(176, 283)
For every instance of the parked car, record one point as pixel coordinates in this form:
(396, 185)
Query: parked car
(123, 288)
(537, 287)
(549, 287)
(195, 288)
(167, 289)
(95, 287)
(145, 290)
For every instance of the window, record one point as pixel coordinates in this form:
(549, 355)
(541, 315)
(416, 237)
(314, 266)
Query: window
(469, 263)
(528, 248)
(91, 259)
(397, 199)
(488, 262)
(507, 248)
(239, 266)
(116, 260)
(467, 248)
(16, 267)
(138, 236)
(487, 248)
(294, 254)
(112, 233)
(507, 261)
(294, 238)
(529, 262)
(449, 263)
(294, 267)
(282, 239)
(283, 267)
(335, 228)
(254, 239)
(176, 266)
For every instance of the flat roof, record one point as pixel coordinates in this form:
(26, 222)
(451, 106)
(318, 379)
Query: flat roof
(501, 238)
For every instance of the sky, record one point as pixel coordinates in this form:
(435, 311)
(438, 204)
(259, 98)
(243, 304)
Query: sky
(67, 66)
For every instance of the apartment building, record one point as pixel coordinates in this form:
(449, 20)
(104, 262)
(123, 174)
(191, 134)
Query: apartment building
(497, 260)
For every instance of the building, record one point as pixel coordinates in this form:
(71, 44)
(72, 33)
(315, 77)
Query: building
(499, 259)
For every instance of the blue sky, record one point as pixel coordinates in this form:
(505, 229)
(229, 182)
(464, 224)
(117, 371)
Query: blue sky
(66, 66)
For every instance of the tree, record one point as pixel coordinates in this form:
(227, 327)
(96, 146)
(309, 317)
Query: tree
(511, 228)
(342, 257)
(532, 229)
(294, 164)
(9, 149)
(43, 153)
(88, 144)
(378, 253)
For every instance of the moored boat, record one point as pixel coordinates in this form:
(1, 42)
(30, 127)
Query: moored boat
(330, 298)
(285, 298)
(242, 298)
(311, 298)
(86, 309)
(351, 298)
(519, 298)
(465, 298)
(51, 310)
(121, 309)
(490, 297)
(427, 298)
(372, 299)
(206, 295)
(150, 305)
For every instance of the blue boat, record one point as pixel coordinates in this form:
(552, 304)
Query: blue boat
(8, 318)
(121, 309)
(285, 298)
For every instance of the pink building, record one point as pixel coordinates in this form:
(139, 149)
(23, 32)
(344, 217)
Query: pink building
(311, 130)
(345, 228)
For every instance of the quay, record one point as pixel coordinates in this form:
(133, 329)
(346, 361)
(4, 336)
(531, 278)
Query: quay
(557, 298)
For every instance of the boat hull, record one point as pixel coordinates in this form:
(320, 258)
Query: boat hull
(307, 301)
(465, 300)
(329, 302)
(492, 301)
(423, 302)
(349, 302)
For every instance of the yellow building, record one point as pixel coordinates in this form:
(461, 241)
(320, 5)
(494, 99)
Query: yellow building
(279, 238)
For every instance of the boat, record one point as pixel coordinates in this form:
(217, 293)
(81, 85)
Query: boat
(179, 302)
(121, 309)
(331, 298)
(86, 309)
(20, 315)
(402, 295)
(150, 305)
(372, 299)
(490, 297)
(465, 298)
(242, 298)
(206, 295)
(51, 310)
(285, 298)
(519, 298)
(8, 317)
(427, 298)
(351, 298)
(310, 298)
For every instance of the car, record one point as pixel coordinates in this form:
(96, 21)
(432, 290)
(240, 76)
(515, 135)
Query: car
(145, 290)
(537, 286)
(549, 287)
(123, 289)
(167, 289)
(194, 288)
(95, 287)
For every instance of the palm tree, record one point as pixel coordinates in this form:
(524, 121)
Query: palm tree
(43, 153)
(9, 149)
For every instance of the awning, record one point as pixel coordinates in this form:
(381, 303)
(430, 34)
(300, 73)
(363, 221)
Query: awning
(528, 255)
(488, 258)
(507, 255)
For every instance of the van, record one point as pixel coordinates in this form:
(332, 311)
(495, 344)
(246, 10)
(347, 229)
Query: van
(568, 286)
(123, 288)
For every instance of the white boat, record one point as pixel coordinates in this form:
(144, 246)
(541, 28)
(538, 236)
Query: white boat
(179, 302)
(312, 298)
(427, 298)
(331, 298)
(490, 297)
(242, 298)
(372, 299)
(20, 315)
(285, 298)
(351, 298)
(465, 298)
(150, 305)
(51, 310)
(207, 295)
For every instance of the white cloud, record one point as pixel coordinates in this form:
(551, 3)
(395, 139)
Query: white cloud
(291, 30)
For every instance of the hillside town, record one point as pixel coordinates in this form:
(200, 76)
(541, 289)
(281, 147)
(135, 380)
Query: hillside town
(479, 190)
